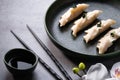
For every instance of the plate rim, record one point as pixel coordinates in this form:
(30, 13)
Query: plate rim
(106, 55)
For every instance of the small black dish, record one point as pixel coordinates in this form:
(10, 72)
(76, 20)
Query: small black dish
(20, 61)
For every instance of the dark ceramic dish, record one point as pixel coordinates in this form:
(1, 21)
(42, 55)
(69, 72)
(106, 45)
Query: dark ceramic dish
(76, 47)
(20, 61)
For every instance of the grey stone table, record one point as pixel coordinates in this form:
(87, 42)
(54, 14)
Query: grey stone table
(14, 15)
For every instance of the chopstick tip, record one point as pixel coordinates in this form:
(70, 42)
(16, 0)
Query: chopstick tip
(27, 25)
(11, 31)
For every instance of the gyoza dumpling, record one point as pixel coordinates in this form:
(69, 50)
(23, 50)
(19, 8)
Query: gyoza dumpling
(98, 29)
(72, 13)
(84, 21)
(107, 41)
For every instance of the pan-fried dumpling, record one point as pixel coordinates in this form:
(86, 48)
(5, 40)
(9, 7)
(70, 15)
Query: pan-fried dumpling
(84, 21)
(72, 13)
(105, 42)
(98, 29)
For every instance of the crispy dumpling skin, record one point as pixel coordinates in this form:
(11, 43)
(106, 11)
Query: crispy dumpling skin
(97, 29)
(72, 13)
(83, 22)
(106, 41)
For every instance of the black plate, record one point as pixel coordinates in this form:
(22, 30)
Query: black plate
(76, 47)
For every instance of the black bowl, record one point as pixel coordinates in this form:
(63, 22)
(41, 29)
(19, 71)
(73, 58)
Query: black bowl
(20, 61)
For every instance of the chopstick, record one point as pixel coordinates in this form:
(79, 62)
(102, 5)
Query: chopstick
(66, 75)
(39, 59)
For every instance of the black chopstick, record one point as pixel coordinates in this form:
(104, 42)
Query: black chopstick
(67, 76)
(40, 60)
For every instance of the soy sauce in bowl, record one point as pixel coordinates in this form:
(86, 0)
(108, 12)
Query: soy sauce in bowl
(20, 61)
(20, 64)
